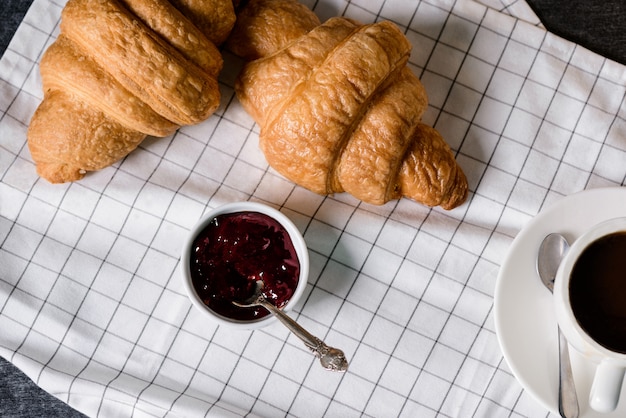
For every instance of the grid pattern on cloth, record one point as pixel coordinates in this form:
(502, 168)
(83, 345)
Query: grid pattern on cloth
(517, 8)
(91, 302)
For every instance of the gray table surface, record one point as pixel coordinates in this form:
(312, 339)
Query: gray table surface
(596, 24)
(599, 25)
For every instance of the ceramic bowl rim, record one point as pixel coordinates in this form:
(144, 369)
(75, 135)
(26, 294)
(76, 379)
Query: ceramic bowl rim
(295, 235)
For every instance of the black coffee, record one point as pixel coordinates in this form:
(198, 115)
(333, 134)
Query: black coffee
(598, 291)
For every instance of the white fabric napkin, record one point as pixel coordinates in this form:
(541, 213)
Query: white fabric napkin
(516, 8)
(91, 302)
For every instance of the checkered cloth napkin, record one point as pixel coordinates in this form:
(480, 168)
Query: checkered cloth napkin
(91, 302)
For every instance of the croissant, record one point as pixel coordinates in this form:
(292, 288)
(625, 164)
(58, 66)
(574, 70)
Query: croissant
(119, 71)
(338, 108)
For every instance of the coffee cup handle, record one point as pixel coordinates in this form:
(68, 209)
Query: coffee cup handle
(606, 387)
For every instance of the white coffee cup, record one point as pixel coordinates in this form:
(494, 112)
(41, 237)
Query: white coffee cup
(611, 365)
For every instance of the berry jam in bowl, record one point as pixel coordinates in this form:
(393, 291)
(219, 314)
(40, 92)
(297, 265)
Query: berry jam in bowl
(233, 246)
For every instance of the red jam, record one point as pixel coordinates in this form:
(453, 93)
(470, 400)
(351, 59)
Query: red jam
(234, 251)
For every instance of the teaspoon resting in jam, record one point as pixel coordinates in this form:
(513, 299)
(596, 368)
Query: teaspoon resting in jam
(331, 358)
(234, 251)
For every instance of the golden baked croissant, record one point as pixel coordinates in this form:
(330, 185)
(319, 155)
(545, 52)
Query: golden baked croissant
(119, 71)
(338, 108)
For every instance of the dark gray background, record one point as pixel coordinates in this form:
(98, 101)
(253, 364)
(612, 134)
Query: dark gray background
(599, 25)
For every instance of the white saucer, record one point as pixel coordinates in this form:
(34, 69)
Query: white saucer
(523, 310)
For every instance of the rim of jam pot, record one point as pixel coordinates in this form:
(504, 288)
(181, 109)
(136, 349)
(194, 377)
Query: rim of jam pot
(296, 238)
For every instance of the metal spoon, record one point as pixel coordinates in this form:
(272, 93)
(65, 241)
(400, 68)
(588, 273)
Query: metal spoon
(551, 252)
(330, 358)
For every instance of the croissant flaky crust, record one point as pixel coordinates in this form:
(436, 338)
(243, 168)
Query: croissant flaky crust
(338, 108)
(122, 70)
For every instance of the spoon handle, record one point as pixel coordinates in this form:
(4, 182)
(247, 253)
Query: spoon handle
(568, 403)
(331, 358)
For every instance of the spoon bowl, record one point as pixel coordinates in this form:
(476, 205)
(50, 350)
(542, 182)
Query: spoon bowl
(551, 252)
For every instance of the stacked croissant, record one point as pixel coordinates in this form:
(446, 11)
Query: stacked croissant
(121, 70)
(337, 106)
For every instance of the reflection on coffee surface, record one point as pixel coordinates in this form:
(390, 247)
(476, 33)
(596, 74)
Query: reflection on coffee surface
(598, 291)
